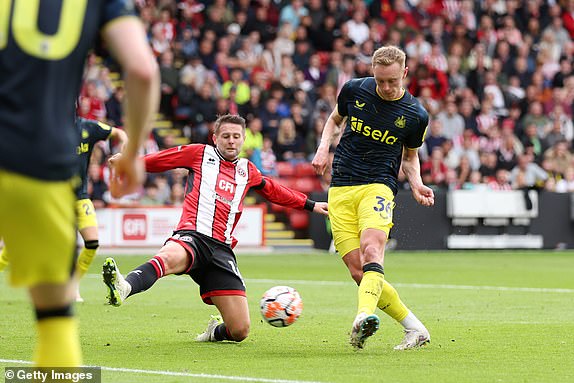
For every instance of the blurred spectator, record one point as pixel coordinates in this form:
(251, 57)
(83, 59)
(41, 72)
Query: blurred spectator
(324, 36)
(340, 71)
(418, 48)
(532, 139)
(501, 181)
(467, 145)
(474, 182)
(289, 146)
(302, 55)
(114, 107)
(488, 165)
(268, 158)
(452, 122)
(241, 87)
(169, 82)
(292, 13)
(314, 73)
(435, 136)
(434, 170)
(186, 46)
(564, 72)
(270, 118)
(253, 144)
(96, 185)
(425, 77)
(507, 155)
(358, 29)
(527, 174)
(463, 171)
(560, 157)
(91, 105)
(204, 105)
(537, 118)
(177, 195)
(566, 184)
(301, 122)
(151, 195)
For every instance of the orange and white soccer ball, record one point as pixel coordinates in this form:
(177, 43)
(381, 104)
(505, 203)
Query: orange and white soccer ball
(281, 306)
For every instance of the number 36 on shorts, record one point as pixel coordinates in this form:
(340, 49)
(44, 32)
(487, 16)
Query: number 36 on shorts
(384, 207)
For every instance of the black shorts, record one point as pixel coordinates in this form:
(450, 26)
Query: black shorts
(213, 265)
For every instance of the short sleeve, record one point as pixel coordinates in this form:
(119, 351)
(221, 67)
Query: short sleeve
(343, 98)
(416, 139)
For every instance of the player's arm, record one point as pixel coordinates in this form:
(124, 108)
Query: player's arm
(173, 158)
(331, 130)
(120, 136)
(281, 195)
(412, 169)
(127, 41)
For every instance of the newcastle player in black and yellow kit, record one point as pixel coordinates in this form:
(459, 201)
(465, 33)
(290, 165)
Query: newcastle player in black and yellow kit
(91, 132)
(43, 46)
(384, 127)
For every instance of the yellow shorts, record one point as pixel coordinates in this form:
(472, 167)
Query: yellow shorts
(38, 225)
(353, 209)
(86, 214)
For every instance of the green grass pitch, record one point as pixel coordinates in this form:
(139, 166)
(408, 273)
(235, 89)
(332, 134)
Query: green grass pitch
(504, 316)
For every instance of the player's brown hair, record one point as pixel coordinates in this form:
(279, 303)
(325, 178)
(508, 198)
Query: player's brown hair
(389, 55)
(229, 119)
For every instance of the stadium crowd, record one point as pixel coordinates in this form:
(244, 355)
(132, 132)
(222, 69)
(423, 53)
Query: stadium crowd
(495, 76)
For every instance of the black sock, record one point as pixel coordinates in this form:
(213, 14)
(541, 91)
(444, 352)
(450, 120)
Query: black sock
(221, 333)
(142, 278)
(373, 267)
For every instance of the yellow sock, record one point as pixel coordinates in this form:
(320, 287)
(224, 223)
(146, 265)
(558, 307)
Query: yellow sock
(85, 260)
(391, 303)
(370, 291)
(58, 343)
(3, 259)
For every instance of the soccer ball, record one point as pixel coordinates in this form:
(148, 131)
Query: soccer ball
(281, 306)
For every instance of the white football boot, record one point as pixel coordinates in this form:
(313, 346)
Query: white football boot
(414, 339)
(209, 334)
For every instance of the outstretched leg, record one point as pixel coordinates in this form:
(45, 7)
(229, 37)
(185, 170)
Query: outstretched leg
(171, 259)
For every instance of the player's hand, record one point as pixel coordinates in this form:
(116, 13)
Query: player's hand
(320, 161)
(424, 195)
(321, 208)
(127, 175)
(113, 160)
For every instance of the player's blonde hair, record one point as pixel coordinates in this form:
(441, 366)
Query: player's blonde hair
(389, 55)
(229, 119)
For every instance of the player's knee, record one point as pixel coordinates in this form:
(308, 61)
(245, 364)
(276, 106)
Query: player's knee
(92, 244)
(173, 262)
(239, 332)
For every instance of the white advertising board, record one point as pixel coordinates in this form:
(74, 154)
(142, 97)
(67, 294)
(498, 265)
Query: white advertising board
(150, 227)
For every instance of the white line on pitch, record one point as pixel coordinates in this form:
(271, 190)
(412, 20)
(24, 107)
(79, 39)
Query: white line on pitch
(404, 285)
(185, 374)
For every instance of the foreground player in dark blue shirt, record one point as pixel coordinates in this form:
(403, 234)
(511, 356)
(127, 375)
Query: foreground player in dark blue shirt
(43, 47)
(91, 132)
(385, 125)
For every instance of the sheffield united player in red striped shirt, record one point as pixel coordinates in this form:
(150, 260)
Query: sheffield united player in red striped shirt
(202, 243)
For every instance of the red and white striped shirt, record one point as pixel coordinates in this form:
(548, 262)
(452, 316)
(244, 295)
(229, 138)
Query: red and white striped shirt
(216, 188)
